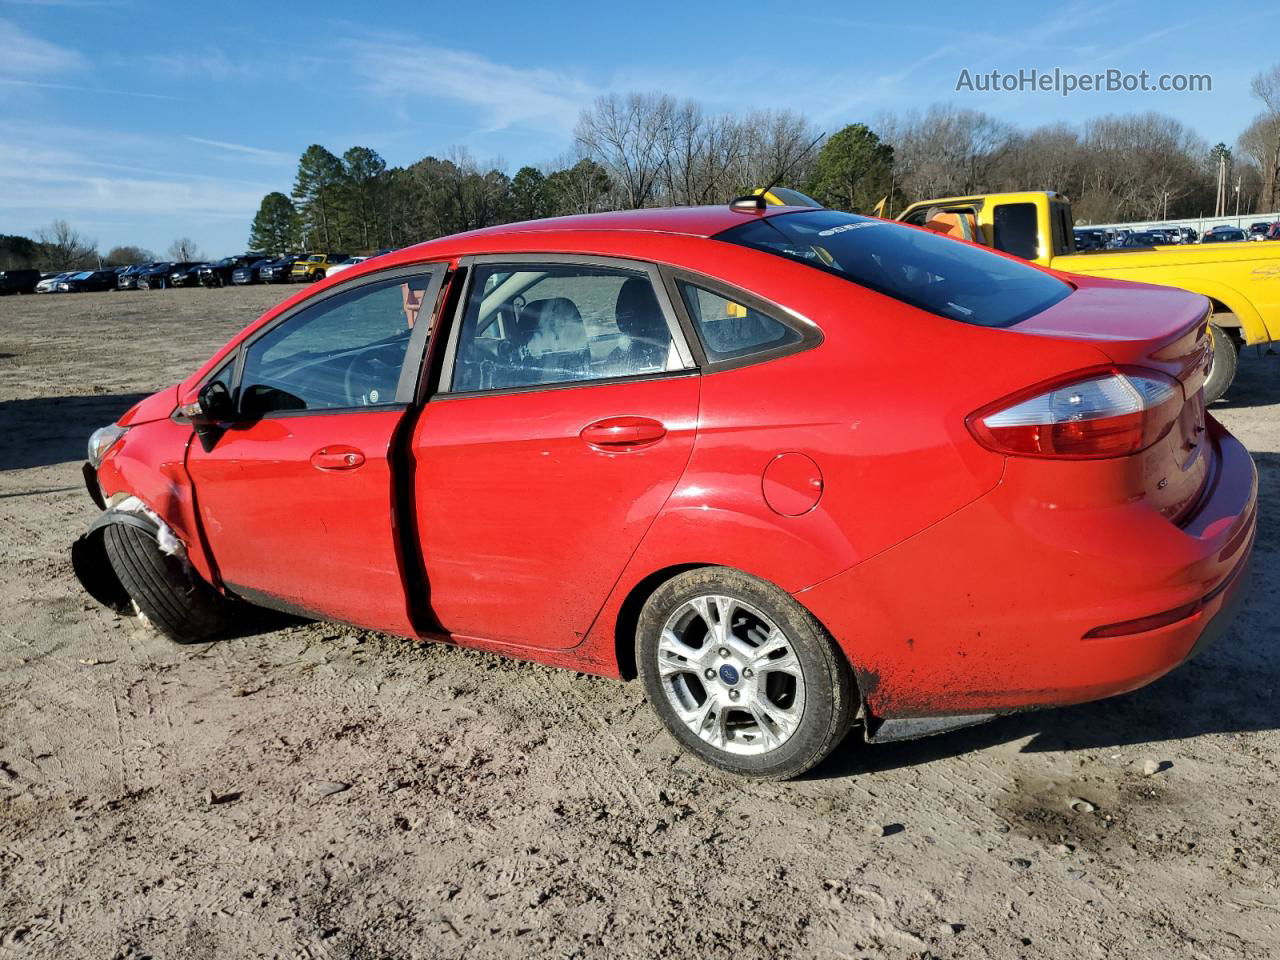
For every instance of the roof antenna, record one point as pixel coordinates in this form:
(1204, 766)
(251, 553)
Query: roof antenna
(757, 201)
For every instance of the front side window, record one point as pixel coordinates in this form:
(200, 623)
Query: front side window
(344, 352)
(534, 324)
(729, 329)
(918, 267)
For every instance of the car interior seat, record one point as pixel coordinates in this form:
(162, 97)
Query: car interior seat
(549, 342)
(640, 321)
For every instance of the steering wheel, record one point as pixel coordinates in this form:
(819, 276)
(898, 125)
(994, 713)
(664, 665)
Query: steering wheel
(363, 370)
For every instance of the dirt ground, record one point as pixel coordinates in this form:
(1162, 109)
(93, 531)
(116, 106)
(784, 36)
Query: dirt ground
(309, 790)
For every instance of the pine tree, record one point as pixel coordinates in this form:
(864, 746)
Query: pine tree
(316, 194)
(275, 227)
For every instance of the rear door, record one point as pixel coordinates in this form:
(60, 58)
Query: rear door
(566, 415)
(296, 496)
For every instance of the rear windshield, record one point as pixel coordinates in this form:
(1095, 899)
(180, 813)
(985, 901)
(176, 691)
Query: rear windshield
(918, 267)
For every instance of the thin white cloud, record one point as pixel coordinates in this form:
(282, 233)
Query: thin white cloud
(506, 96)
(22, 54)
(275, 156)
(79, 89)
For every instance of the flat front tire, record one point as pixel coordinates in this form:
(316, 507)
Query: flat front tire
(742, 675)
(164, 590)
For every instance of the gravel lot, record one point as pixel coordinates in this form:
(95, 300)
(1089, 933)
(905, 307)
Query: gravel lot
(308, 790)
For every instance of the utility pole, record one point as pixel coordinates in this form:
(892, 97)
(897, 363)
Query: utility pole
(1238, 179)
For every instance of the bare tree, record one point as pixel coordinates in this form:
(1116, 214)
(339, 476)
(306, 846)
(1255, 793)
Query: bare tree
(184, 250)
(1261, 141)
(629, 136)
(64, 248)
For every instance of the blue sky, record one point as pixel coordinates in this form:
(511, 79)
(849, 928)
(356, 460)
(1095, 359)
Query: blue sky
(142, 122)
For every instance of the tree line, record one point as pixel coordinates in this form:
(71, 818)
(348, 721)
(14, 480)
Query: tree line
(60, 247)
(643, 150)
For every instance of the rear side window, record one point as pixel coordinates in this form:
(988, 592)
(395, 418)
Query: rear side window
(1015, 230)
(529, 325)
(918, 267)
(729, 330)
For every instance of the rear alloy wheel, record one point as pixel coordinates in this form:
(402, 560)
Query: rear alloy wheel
(742, 675)
(1222, 368)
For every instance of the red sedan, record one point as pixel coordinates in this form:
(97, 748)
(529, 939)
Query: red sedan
(684, 444)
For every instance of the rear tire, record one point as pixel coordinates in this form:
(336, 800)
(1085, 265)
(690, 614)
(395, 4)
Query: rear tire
(164, 590)
(1226, 358)
(742, 675)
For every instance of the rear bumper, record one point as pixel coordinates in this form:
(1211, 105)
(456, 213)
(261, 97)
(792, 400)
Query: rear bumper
(988, 610)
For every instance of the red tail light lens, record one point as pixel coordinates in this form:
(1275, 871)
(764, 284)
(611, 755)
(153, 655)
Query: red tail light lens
(1107, 414)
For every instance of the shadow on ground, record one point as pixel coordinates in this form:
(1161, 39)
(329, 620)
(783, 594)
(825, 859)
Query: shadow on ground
(1257, 381)
(48, 430)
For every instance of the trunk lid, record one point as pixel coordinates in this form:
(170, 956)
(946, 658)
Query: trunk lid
(1143, 327)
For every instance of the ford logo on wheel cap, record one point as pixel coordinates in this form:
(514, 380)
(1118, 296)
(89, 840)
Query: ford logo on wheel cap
(729, 674)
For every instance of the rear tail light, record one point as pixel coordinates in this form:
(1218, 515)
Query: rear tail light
(1107, 414)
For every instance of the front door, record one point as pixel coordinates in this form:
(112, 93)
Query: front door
(566, 416)
(296, 496)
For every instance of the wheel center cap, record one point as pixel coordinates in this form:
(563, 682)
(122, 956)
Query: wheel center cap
(729, 674)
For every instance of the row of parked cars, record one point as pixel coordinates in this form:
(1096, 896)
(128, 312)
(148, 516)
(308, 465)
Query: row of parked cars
(241, 269)
(1098, 239)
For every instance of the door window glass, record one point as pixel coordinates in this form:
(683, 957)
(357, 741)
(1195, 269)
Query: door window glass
(344, 352)
(729, 330)
(1016, 231)
(532, 324)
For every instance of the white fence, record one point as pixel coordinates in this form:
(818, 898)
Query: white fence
(1199, 224)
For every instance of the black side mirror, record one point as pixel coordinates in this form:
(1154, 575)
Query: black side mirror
(208, 410)
(215, 402)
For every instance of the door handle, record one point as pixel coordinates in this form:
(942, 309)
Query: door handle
(623, 433)
(337, 457)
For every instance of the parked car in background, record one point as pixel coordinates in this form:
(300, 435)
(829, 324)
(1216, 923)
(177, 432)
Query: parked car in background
(155, 276)
(1145, 238)
(219, 274)
(127, 279)
(315, 266)
(1090, 239)
(18, 281)
(278, 269)
(1223, 234)
(249, 272)
(87, 281)
(185, 275)
(1263, 232)
(49, 281)
(639, 456)
(1273, 232)
(345, 264)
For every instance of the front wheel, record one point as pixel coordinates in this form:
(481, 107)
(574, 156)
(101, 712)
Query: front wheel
(1222, 369)
(742, 675)
(164, 590)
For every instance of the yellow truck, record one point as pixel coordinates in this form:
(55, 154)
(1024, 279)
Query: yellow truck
(1241, 280)
(314, 266)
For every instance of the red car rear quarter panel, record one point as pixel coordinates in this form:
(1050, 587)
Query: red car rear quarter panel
(987, 610)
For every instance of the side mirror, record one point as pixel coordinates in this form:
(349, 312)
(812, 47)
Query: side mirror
(208, 406)
(208, 409)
